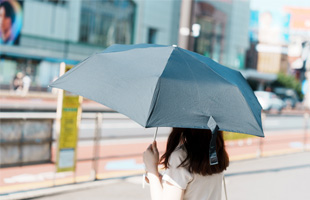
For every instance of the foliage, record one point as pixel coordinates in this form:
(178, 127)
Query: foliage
(288, 81)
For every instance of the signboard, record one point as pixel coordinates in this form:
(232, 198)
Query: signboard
(10, 21)
(269, 27)
(69, 126)
(300, 18)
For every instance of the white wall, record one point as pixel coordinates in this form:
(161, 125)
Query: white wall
(160, 15)
(239, 41)
(47, 24)
(74, 20)
(52, 21)
(62, 22)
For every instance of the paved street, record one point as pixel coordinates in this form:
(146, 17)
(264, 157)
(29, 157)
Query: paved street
(275, 178)
(283, 177)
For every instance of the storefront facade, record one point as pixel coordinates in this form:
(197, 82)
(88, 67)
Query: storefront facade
(51, 32)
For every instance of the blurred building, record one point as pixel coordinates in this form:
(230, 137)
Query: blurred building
(48, 32)
(280, 41)
(211, 39)
(299, 46)
(269, 40)
(224, 30)
(157, 22)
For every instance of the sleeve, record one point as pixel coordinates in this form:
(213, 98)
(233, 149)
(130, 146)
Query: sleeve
(177, 176)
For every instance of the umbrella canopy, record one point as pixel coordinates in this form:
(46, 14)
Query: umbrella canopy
(166, 86)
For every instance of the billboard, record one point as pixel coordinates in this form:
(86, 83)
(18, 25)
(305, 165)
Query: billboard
(10, 21)
(269, 27)
(300, 18)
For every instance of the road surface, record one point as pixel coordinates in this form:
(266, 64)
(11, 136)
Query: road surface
(282, 177)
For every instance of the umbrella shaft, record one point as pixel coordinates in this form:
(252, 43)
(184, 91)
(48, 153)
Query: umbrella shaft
(155, 134)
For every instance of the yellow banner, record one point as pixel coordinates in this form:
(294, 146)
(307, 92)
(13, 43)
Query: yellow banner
(69, 126)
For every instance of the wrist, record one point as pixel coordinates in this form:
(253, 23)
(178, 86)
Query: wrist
(153, 170)
(151, 175)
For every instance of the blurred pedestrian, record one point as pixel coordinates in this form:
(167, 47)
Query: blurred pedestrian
(188, 173)
(18, 82)
(26, 84)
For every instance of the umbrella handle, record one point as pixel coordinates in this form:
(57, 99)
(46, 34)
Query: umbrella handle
(145, 174)
(155, 134)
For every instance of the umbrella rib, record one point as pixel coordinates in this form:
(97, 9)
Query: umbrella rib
(199, 97)
(154, 101)
(156, 94)
(228, 82)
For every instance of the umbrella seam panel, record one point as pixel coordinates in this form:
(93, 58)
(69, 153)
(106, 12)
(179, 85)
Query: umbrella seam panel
(157, 88)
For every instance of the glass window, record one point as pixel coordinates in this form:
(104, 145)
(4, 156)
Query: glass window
(152, 35)
(107, 22)
(203, 44)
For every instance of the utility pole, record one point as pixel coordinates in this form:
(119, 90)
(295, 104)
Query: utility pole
(185, 28)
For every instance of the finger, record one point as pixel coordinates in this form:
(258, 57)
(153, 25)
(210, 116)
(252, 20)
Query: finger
(147, 180)
(150, 147)
(154, 146)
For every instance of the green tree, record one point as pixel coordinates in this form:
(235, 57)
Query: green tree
(288, 81)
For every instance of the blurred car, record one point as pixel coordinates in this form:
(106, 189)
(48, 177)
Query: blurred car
(269, 101)
(289, 96)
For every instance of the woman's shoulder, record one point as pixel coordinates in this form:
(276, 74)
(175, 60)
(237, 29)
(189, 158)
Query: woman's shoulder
(176, 174)
(178, 155)
(180, 150)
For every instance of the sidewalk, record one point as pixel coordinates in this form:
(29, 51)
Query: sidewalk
(279, 177)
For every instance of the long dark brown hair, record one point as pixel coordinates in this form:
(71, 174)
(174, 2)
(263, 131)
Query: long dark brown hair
(196, 143)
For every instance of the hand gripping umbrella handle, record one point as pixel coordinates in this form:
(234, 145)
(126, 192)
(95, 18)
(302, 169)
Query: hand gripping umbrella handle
(212, 149)
(145, 174)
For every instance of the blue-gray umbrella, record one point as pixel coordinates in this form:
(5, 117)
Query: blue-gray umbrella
(167, 86)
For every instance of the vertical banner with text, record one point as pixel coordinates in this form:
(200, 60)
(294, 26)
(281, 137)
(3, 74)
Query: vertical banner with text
(69, 127)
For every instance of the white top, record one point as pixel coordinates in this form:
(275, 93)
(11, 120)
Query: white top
(26, 81)
(197, 187)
